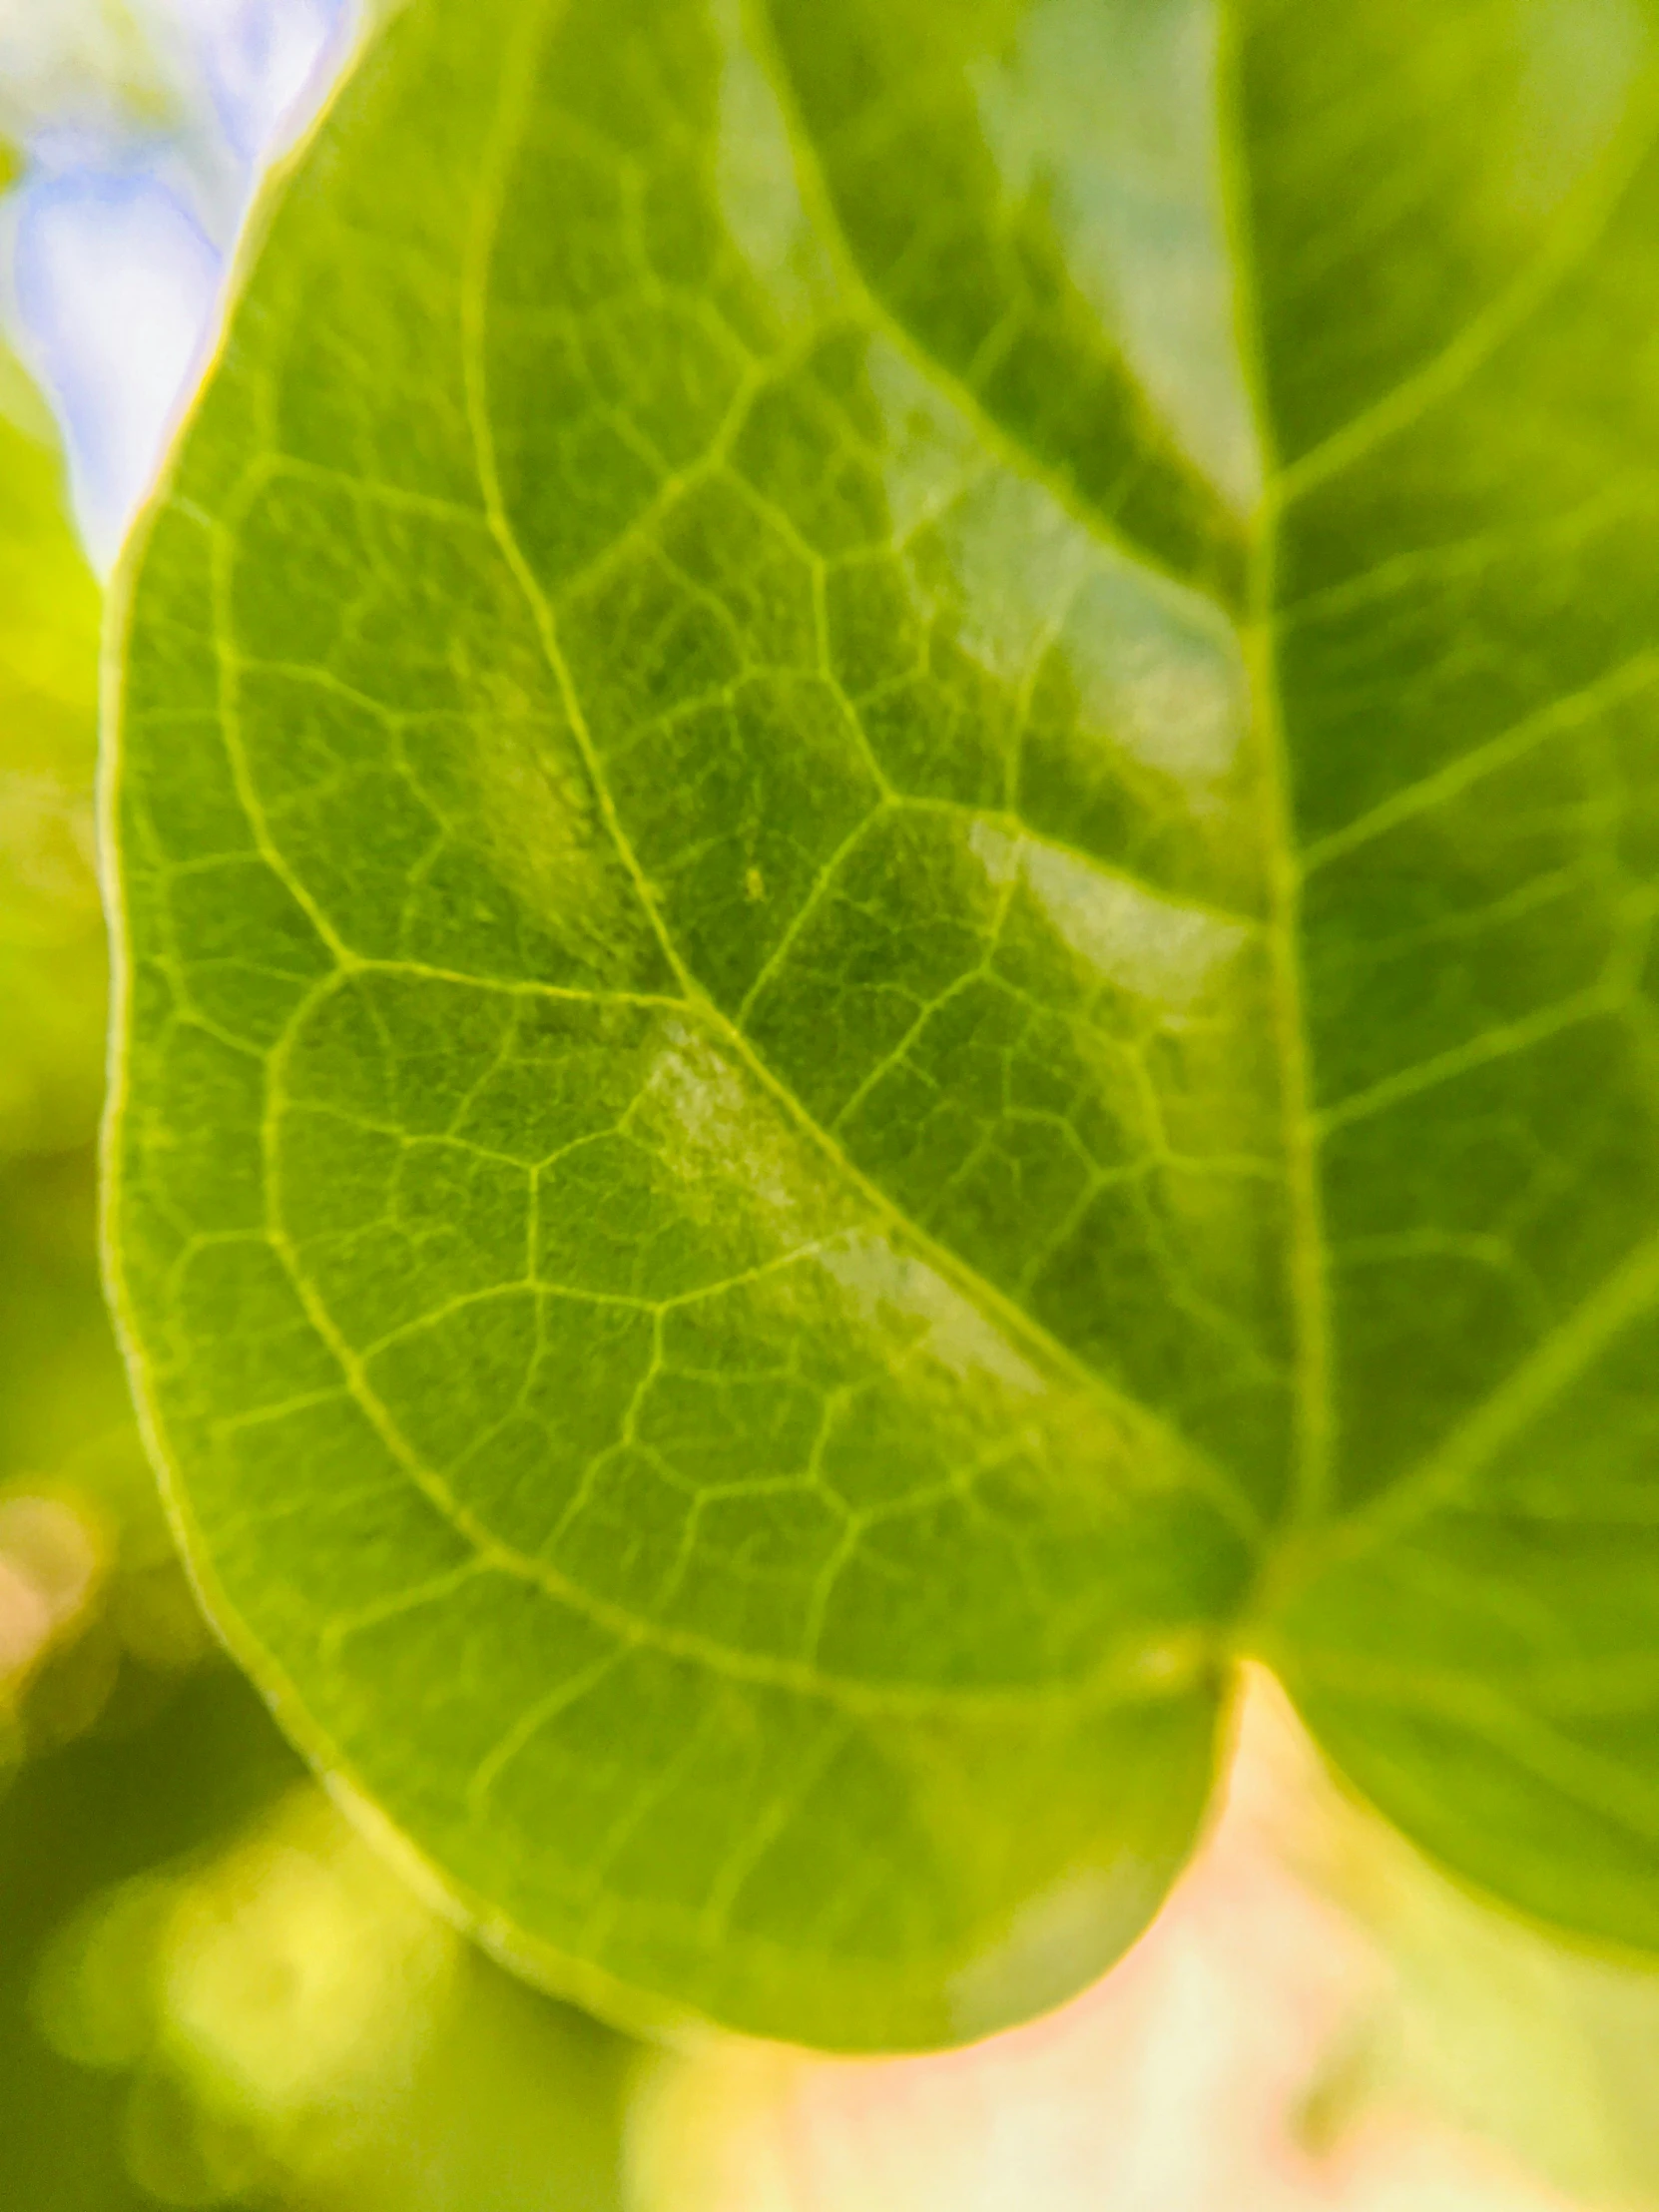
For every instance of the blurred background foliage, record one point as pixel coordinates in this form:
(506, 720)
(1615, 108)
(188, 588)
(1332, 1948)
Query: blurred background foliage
(211, 1990)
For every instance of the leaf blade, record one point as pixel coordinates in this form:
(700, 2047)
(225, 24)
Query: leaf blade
(489, 1133)
(782, 1099)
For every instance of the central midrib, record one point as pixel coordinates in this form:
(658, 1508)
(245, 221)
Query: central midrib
(1312, 1501)
(1313, 1442)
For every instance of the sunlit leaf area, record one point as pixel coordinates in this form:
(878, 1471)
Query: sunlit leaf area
(679, 723)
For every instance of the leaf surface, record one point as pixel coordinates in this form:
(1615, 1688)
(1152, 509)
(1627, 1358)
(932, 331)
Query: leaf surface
(880, 989)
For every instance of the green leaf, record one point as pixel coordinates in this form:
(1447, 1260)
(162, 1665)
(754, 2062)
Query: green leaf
(877, 993)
